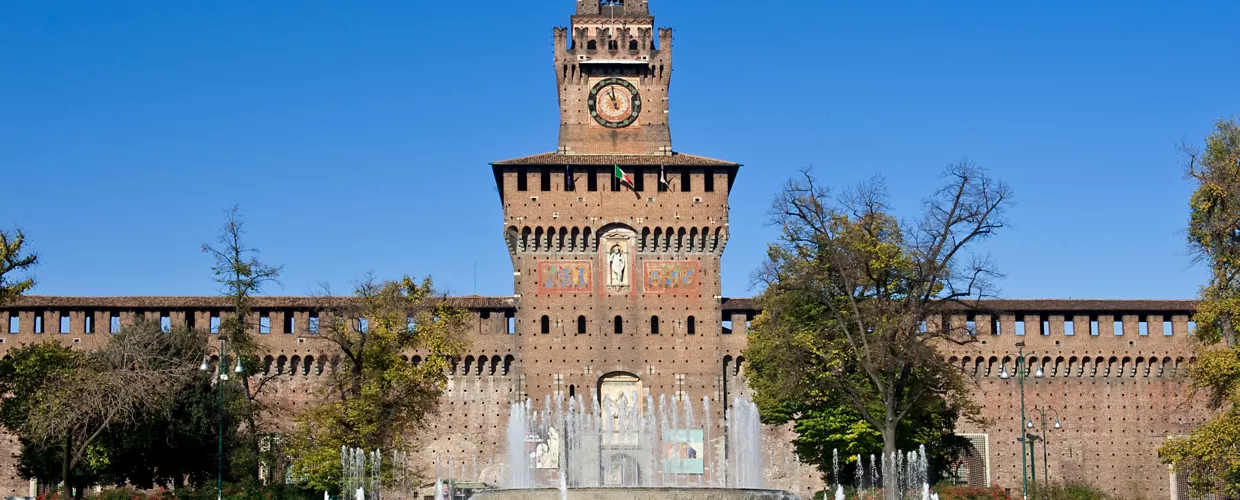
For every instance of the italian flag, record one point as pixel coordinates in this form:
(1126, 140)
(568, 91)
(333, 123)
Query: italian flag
(623, 176)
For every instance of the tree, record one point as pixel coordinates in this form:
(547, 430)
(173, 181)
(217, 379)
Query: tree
(1210, 455)
(375, 397)
(139, 373)
(13, 260)
(854, 299)
(241, 275)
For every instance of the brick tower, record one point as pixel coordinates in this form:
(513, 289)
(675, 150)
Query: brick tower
(615, 238)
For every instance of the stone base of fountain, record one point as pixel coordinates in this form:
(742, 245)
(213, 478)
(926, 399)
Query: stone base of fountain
(635, 493)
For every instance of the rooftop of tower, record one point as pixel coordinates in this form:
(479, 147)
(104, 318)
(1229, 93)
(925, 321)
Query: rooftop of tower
(675, 159)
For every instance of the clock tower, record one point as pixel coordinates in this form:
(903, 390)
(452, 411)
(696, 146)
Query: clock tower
(612, 72)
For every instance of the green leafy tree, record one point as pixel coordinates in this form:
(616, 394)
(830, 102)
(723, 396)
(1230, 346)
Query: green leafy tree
(60, 399)
(14, 259)
(241, 276)
(854, 299)
(374, 399)
(1210, 455)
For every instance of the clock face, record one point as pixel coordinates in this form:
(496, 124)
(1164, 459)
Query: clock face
(615, 103)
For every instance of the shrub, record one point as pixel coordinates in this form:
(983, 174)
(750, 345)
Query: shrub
(972, 493)
(1073, 490)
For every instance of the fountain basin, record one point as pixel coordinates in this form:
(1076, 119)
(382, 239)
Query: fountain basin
(636, 493)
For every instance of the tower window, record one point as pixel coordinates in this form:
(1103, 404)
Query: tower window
(613, 45)
(546, 325)
(686, 181)
(654, 325)
(592, 179)
(709, 183)
(692, 325)
(633, 45)
(615, 184)
(544, 179)
(619, 325)
(591, 45)
(639, 178)
(581, 325)
(569, 184)
(522, 179)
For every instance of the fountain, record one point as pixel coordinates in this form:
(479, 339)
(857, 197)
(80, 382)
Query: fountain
(604, 450)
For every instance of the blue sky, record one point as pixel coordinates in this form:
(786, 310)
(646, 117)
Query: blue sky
(355, 136)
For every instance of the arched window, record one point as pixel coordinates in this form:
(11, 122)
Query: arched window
(581, 325)
(546, 325)
(619, 325)
(633, 45)
(692, 325)
(613, 45)
(654, 325)
(592, 45)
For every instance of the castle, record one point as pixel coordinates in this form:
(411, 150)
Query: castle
(616, 239)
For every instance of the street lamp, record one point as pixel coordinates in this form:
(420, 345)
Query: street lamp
(222, 377)
(1045, 412)
(1021, 374)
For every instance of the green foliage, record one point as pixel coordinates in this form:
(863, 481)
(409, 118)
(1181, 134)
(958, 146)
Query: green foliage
(1210, 455)
(376, 398)
(1072, 490)
(24, 378)
(13, 260)
(247, 490)
(971, 493)
(241, 275)
(852, 310)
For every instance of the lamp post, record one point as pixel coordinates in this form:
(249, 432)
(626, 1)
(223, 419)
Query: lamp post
(222, 377)
(1021, 373)
(1045, 412)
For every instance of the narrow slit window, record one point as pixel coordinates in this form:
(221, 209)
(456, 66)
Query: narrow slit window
(619, 324)
(581, 325)
(545, 323)
(692, 325)
(654, 325)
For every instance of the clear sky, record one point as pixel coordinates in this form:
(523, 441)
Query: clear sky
(356, 136)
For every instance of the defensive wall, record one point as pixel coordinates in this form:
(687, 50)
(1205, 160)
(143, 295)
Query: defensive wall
(1114, 373)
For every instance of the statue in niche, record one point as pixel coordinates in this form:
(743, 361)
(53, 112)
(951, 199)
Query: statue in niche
(547, 455)
(617, 263)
